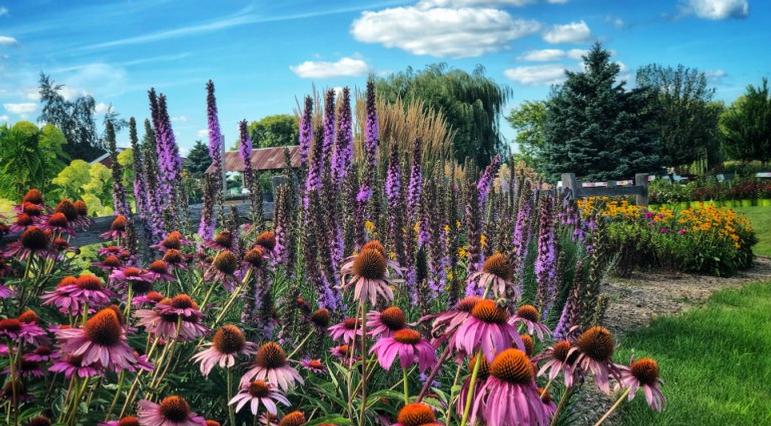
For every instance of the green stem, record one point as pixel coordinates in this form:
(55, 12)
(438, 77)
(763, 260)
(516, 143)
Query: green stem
(562, 405)
(613, 408)
(451, 401)
(406, 386)
(471, 387)
(231, 413)
(297, 349)
(363, 364)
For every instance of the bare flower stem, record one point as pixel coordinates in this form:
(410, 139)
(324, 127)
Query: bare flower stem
(471, 386)
(613, 407)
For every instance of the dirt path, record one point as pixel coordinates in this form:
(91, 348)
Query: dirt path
(637, 300)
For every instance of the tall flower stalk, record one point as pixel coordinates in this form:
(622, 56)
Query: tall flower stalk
(215, 150)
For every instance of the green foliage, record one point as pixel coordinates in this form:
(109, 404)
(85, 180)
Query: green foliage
(712, 361)
(471, 103)
(198, 160)
(596, 128)
(760, 217)
(274, 131)
(74, 118)
(91, 183)
(126, 161)
(31, 157)
(746, 125)
(528, 120)
(686, 118)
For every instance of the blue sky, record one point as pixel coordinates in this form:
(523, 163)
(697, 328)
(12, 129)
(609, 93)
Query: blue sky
(262, 55)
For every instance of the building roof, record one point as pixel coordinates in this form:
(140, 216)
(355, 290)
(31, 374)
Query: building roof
(105, 158)
(262, 159)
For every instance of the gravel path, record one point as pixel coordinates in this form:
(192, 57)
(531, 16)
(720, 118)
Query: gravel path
(637, 300)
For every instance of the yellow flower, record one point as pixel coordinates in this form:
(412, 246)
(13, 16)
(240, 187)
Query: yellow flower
(369, 226)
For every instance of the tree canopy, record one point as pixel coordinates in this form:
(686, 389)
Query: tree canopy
(746, 125)
(528, 120)
(686, 118)
(74, 118)
(470, 102)
(596, 128)
(198, 160)
(274, 131)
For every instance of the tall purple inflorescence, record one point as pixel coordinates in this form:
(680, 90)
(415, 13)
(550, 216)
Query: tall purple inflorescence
(342, 156)
(313, 179)
(245, 152)
(371, 141)
(485, 182)
(118, 191)
(306, 131)
(215, 151)
(546, 259)
(520, 242)
(329, 133)
(139, 171)
(415, 184)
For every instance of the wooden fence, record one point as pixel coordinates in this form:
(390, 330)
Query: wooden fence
(637, 187)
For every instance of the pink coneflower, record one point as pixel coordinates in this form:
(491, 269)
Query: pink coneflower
(5, 292)
(139, 279)
(222, 270)
(256, 393)
(158, 270)
(320, 318)
(58, 224)
(15, 330)
(72, 365)
(118, 251)
(548, 403)
(446, 323)
(595, 347)
(409, 345)
(486, 329)
(33, 241)
(117, 229)
(171, 411)
(415, 414)
(82, 220)
(40, 420)
(509, 396)
(346, 331)
(173, 318)
(21, 223)
(368, 278)
(295, 418)
(109, 263)
(175, 259)
(385, 322)
(496, 274)
(42, 353)
(174, 240)
(530, 318)
(33, 210)
(70, 298)
(101, 341)
(14, 389)
(27, 368)
(482, 373)
(559, 359)
(222, 241)
(313, 365)
(255, 257)
(34, 196)
(228, 342)
(149, 298)
(340, 351)
(125, 421)
(270, 364)
(644, 373)
(347, 267)
(266, 240)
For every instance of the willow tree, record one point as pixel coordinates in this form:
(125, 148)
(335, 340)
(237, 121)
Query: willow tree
(471, 104)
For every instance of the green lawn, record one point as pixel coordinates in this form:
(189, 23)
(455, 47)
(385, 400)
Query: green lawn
(761, 223)
(715, 362)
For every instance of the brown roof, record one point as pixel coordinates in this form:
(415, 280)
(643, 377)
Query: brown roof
(262, 159)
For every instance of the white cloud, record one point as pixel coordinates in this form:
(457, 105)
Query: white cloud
(179, 118)
(544, 55)
(715, 76)
(20, 108)
(345, 67)
(3, 10)
(202, 133)
(427, 4)
(7, 41)
(615, 21)
(536, 74)
(32, 94)
(577, 54)
(101, 108)
(458, 33)
(718, 9)
(573, 32)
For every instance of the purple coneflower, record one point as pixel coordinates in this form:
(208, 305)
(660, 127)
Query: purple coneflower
(496, 274)
(158, 270)
(340, 351)
(71, 365)
(644, 373)
(595, 347)
(171, 411)
(101, 341)
(118, 251)
(33, 241)
(139, 279)
(559, 359)
(409, 345)
(25, 332)
(528, 316)
(385, 322)
(42, 353)
(313, 365)
(117, 229)
(270, 364)
(124, 421)
(109, 263)
(486, 329)
(259, 392)
(150, 298)
(295, 418)
(509, 396)
(446, 323)
(416, 414)
(346, 330)
(174, 240)
(175, 259)
(222, 270)
(21, 223)
(58, 224)
(72, 295)
(228, 342)
(368, 277)
(175, 318)
(223, 240)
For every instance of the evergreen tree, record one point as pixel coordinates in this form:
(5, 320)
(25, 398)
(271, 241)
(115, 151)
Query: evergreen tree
(597, 129)
(198, 160)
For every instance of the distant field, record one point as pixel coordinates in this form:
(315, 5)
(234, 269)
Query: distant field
(761, 223)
